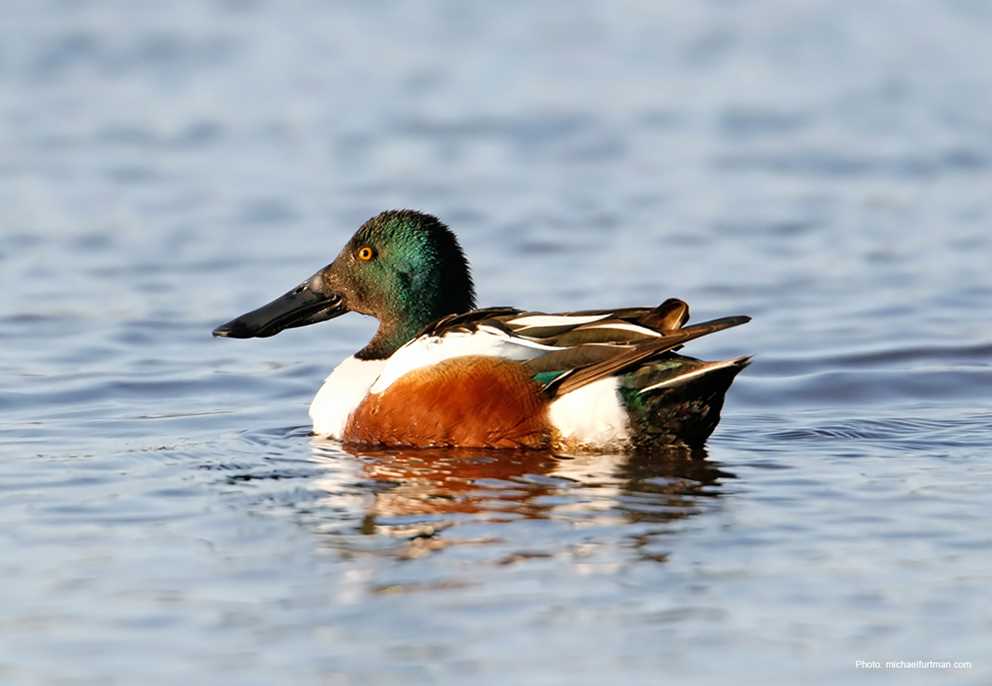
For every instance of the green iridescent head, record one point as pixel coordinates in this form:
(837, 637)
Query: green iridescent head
(403, 267)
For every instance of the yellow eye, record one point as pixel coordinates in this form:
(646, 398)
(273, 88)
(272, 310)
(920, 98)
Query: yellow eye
(365, 253)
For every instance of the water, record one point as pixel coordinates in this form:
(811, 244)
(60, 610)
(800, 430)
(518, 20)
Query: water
(165, 516)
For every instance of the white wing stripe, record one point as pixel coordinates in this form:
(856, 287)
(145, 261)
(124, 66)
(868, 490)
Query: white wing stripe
(532, 344)
(535, 321)
(623, 326)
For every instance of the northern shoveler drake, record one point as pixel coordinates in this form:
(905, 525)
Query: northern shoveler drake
(440, 372)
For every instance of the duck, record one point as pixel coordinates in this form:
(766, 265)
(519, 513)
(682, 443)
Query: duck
(441, 373)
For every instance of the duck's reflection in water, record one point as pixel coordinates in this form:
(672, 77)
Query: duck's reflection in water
(415, 497)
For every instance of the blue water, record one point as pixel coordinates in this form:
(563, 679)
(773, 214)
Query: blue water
(825, 167)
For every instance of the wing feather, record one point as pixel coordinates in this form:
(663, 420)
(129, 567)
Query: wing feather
(624, 360)
(582, 346)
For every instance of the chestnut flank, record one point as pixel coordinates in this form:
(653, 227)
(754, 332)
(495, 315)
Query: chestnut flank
(469, 402)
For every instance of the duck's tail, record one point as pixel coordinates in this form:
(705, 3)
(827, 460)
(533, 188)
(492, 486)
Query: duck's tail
(692, 370)
(678, 399)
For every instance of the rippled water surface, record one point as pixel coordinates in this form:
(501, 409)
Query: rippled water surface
(165, 516)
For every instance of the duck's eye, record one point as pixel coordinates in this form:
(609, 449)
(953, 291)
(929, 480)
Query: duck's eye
(365, 253)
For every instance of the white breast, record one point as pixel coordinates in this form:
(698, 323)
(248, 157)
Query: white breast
(341, 393)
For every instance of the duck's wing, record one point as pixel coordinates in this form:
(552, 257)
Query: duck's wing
(632, 356)
(564, 350)
(625, 326)
(588, 345)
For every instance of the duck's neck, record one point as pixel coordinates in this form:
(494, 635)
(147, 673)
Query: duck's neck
(397, 329)
(390, 337)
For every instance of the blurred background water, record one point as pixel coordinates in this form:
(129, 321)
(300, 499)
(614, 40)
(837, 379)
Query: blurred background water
(824, 166)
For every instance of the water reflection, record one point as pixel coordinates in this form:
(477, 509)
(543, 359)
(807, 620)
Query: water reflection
(414, 496)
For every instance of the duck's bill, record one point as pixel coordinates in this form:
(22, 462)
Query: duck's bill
(302, 306)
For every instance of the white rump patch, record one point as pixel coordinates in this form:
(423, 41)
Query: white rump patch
(427, 351)
(592, 416)
(341, 393)
(535, 321)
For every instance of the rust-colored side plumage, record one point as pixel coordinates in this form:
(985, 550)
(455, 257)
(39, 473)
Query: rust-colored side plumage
(470, 402)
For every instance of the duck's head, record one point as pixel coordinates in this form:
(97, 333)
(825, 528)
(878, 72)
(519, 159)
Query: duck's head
(403, 267)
